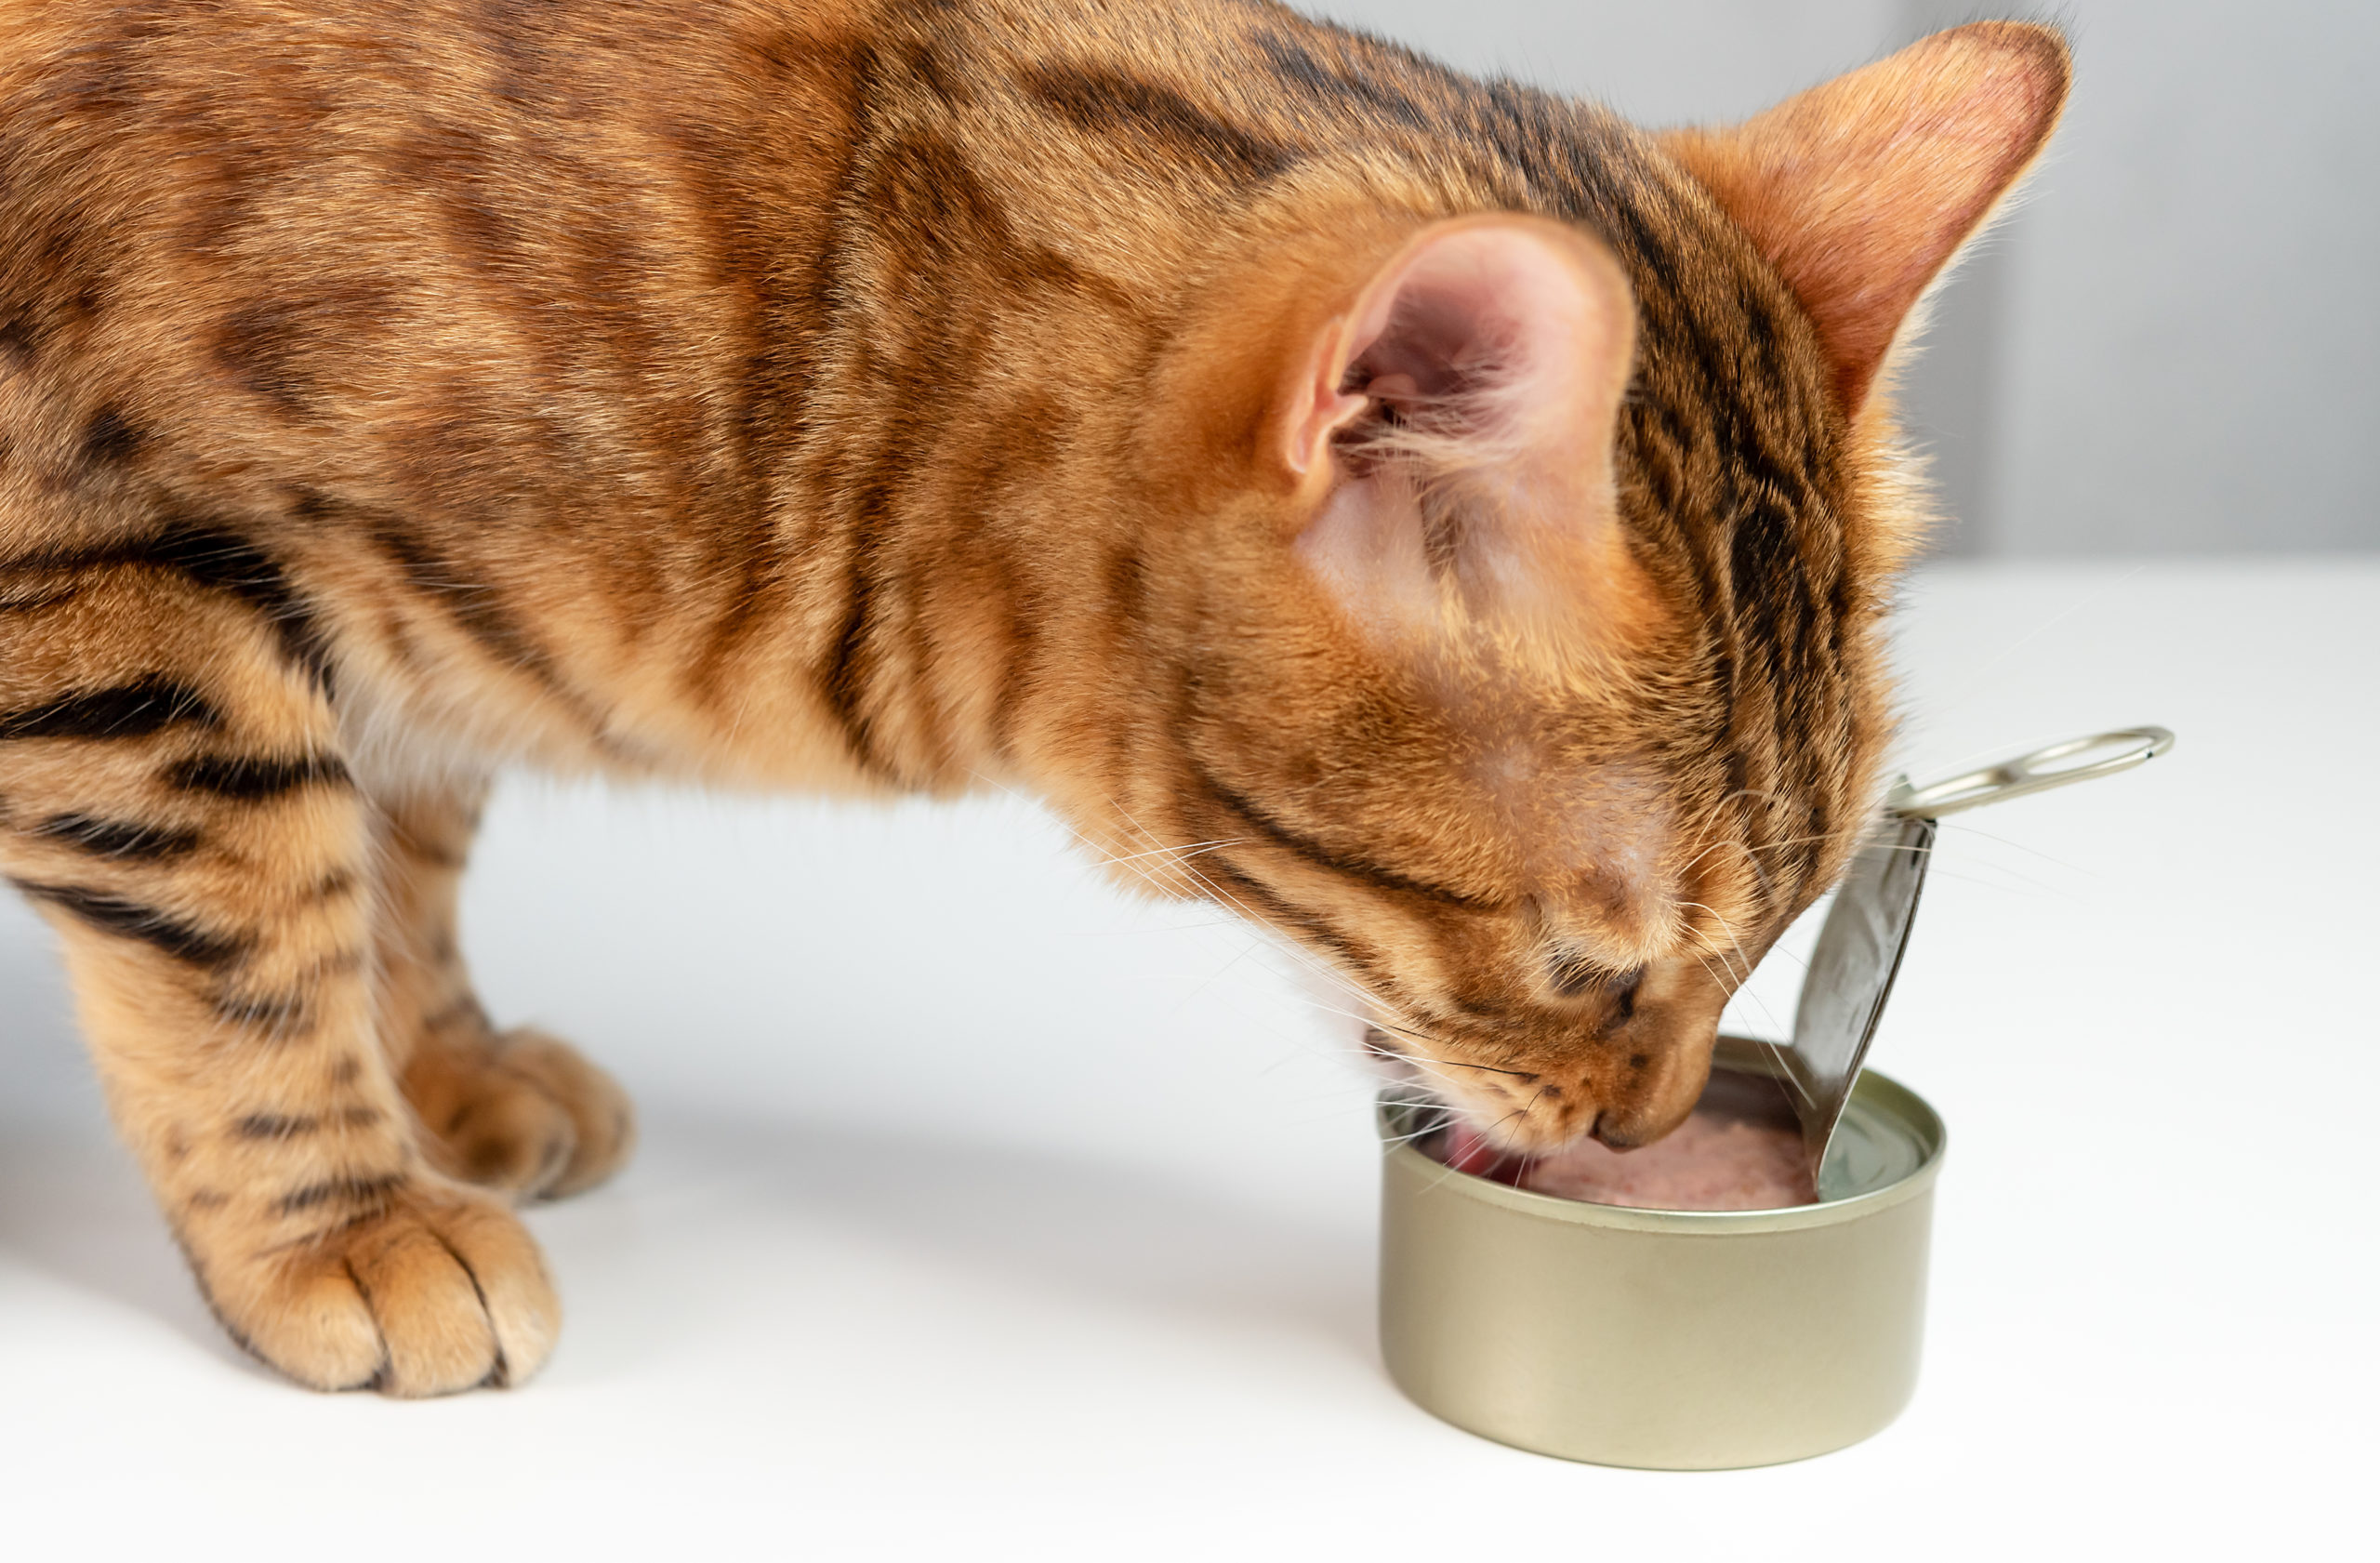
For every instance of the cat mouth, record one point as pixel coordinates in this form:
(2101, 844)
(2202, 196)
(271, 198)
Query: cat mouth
(1523, 1115)
(1723, 1158)
(1464, 1146)
(1471, 1140)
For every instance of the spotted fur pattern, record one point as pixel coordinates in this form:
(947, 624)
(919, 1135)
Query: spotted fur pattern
(877, 397)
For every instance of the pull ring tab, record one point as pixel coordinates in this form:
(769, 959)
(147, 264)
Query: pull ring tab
(2037, 772)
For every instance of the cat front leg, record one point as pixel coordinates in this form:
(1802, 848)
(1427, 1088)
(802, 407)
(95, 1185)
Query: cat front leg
(519, 1111)
(174, 800)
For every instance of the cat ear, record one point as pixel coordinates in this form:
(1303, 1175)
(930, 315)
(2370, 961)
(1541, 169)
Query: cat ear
(1860, 192)
(1452, 432)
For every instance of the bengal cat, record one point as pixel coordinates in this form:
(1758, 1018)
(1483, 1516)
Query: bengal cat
(1464, 517)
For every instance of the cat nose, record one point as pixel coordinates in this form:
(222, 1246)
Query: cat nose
(1624, 1125)
(1654, 1091)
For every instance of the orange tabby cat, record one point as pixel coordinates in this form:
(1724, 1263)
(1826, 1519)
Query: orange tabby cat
(1468, 517)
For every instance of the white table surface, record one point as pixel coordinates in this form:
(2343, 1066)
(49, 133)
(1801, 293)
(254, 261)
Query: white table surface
(982, 1213)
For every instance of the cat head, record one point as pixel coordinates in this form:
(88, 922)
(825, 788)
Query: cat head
(1536, 681)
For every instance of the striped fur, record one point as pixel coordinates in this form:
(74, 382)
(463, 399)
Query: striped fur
(879, 397)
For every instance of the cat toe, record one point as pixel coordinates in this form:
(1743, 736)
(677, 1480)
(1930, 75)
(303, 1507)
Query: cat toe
(528, 1117)
(603, 1121)
(441, 1290)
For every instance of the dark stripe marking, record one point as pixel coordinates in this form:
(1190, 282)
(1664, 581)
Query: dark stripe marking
(844, 682)
(1346, 80)
(331, 886)
(207, 554)
(1259, 902)
(129, 920)
(120, 840)
(348, 1190)
(284, 1014)
(475, 606)
(110, 439)
(249, 778)
(1314, 854)
(39, 601)
(278, 1126)
(147, 705)
(1106, 102)
(222, 561)
(275, 1126)
(465, 1008)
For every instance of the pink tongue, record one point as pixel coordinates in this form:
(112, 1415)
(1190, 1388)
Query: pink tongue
(1468, 1151)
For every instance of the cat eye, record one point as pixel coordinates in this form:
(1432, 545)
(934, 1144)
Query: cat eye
(1573, 975)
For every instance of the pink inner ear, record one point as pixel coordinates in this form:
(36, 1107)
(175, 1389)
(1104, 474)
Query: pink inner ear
(1484, 325)
(1462, 413)
(1482, 330)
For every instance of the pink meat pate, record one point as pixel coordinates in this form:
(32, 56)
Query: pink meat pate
(1715, 1160)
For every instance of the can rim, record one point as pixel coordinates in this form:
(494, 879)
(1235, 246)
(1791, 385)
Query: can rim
(1878, 1092)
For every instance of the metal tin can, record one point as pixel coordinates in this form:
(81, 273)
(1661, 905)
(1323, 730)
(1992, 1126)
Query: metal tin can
(1670, 1340)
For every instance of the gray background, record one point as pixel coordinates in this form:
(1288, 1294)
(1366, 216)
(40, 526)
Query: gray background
(2170, 347)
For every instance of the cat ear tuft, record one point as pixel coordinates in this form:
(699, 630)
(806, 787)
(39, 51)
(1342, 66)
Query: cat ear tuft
(1862, 191)
(1453, 429)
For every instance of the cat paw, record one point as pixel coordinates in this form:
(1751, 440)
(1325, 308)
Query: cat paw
(526, 1117)
(433, 1290)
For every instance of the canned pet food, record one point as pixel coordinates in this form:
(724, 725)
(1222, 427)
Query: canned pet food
(1779, 1314)
(1672, 1339)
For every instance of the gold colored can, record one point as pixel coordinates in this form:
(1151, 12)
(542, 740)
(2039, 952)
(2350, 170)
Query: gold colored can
(1670, 1340)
